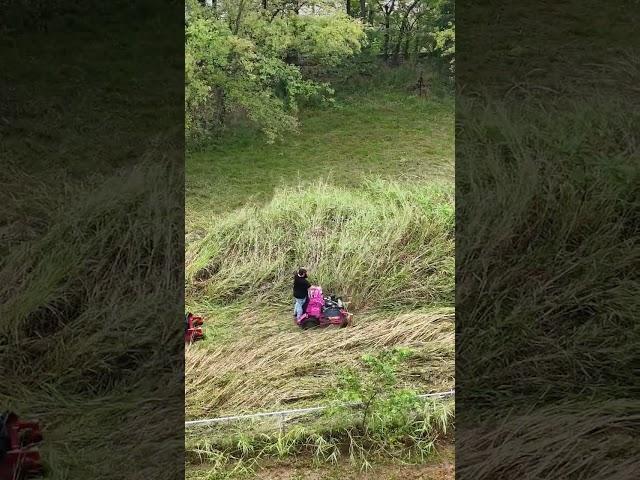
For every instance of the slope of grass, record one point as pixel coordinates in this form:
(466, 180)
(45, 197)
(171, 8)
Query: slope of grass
(381, 245)
(276, 366)
(363, 197)
(384, 134)
(388, 249)
(88, 233)
(76, 303)
(556, 270)
(549, 243)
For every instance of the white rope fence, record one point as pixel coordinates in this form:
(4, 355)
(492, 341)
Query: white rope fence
(288, 413)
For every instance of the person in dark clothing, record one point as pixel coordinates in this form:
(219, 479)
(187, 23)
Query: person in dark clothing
(300, 288)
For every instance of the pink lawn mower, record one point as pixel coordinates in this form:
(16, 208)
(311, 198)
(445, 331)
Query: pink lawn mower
(321, 311)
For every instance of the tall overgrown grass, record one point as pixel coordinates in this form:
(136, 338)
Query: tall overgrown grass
(382, 245)
(88, 329)
(557, 264)
(386, 248)
(548, 249)
(570, 439)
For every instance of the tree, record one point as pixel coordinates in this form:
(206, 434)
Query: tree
(446, 44)
(387, 8)
(241, 57)
(404, 26)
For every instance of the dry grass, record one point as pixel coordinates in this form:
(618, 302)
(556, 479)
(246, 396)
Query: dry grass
(386, 248)
(271, 363)
(548, 296)
(78, 294)
(548, 243)
(571, 440)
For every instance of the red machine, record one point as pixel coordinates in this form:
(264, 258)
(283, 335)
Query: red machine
(192, 328)
(19, 454)
(322, 311)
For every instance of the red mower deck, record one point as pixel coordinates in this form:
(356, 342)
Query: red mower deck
(19, 453)
(193, 329)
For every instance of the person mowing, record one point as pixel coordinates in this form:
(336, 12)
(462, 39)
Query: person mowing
(300, 291)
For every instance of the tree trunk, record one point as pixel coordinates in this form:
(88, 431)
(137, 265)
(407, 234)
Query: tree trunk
(221, 109)
(398, 45)
(405, 49)
(363, 10)
(370, 20)
(388, 10)
(385, 44)
(236, 28)
(396, 48)
(264, 4)
(404, 30)
(348, 3)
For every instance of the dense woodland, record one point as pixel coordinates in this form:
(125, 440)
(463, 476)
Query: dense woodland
(262, 59)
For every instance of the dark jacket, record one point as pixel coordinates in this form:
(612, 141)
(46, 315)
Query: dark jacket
(300, 286)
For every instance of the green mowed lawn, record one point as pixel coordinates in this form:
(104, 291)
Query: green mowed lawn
(391, 135)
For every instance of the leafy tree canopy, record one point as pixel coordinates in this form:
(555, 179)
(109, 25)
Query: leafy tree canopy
(242, 58)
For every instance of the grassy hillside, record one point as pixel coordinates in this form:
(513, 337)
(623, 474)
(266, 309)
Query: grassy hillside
(363, 197)
(88, 235)
(381, 245)
(388, 133)
(549, 239)
(77, 297)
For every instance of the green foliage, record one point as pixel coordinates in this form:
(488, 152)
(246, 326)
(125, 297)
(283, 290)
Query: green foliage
(446, 44)
(56, 283)
(248, 66)
(225, 72)
(385, 410)
(406, 28)
(327, 40)
(373, 416)
(228, 450)
(245, 62)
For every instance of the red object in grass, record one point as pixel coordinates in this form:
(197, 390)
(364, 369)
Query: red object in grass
(321, 311)
(19, 454)
(193, 329)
